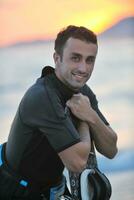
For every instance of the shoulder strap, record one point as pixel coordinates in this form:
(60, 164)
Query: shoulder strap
(92, 160)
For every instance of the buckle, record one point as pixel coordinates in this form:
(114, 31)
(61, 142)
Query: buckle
(24, 183)
(1, 162)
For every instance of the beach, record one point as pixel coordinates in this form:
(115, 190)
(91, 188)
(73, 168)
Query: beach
(112, 83)
(122, 185)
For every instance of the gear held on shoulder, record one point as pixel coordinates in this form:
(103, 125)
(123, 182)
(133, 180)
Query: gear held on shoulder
(91, 184)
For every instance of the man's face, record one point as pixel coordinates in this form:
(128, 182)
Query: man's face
(77, 63)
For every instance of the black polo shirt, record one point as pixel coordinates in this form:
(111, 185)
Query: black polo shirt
(42, 128)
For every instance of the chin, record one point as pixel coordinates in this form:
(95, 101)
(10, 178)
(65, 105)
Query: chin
(77, 87)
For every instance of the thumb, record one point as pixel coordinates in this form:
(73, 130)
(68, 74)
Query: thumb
(68, 103)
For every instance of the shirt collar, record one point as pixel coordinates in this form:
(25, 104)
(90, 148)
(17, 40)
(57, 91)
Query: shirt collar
(65, 91)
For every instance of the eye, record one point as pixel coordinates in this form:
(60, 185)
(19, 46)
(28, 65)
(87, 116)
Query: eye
(90, 60)
(75, 58)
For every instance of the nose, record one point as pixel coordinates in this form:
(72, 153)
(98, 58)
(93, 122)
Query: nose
(82, 67)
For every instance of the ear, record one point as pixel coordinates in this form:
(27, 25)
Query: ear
(56, 57)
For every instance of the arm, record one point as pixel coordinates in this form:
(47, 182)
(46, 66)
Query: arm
(75, 157)
(104, 137)
(50, 119)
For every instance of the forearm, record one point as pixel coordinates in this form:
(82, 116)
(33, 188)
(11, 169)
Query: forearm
(75, 157)
(104, 137)
(84, 132)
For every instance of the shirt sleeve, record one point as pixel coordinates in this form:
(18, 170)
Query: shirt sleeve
(94, 103)
(45, 113)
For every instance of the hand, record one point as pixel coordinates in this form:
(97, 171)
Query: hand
(80, 106)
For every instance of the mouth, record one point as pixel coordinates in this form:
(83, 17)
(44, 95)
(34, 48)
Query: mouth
(79, 77)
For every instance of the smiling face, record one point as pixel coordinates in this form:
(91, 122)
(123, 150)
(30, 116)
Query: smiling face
(75, 66)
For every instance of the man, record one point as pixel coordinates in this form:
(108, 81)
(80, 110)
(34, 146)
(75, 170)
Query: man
(51, 129)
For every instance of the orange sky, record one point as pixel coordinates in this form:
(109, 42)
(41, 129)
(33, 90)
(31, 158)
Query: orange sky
(34, 19)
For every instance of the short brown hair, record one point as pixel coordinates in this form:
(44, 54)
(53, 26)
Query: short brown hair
(81, 33)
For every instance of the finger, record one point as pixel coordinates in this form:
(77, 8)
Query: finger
(68, 103)
(77, 95)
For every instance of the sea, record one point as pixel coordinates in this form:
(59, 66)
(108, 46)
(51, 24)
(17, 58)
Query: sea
(111, 81)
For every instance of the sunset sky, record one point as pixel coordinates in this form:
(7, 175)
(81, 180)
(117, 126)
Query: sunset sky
(23, 20)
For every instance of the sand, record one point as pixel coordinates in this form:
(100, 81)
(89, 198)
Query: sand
(122, 185)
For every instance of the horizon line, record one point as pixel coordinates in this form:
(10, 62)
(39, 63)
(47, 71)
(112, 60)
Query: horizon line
(50, 39)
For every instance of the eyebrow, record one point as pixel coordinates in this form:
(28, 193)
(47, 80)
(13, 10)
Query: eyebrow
(76, 54)
(80, 55)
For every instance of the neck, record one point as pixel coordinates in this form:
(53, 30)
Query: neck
(74, 90)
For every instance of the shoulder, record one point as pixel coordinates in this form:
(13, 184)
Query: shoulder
(41, 101)
(36, 93)
(86, 90)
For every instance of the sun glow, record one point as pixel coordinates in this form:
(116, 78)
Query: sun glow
(35, 19)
